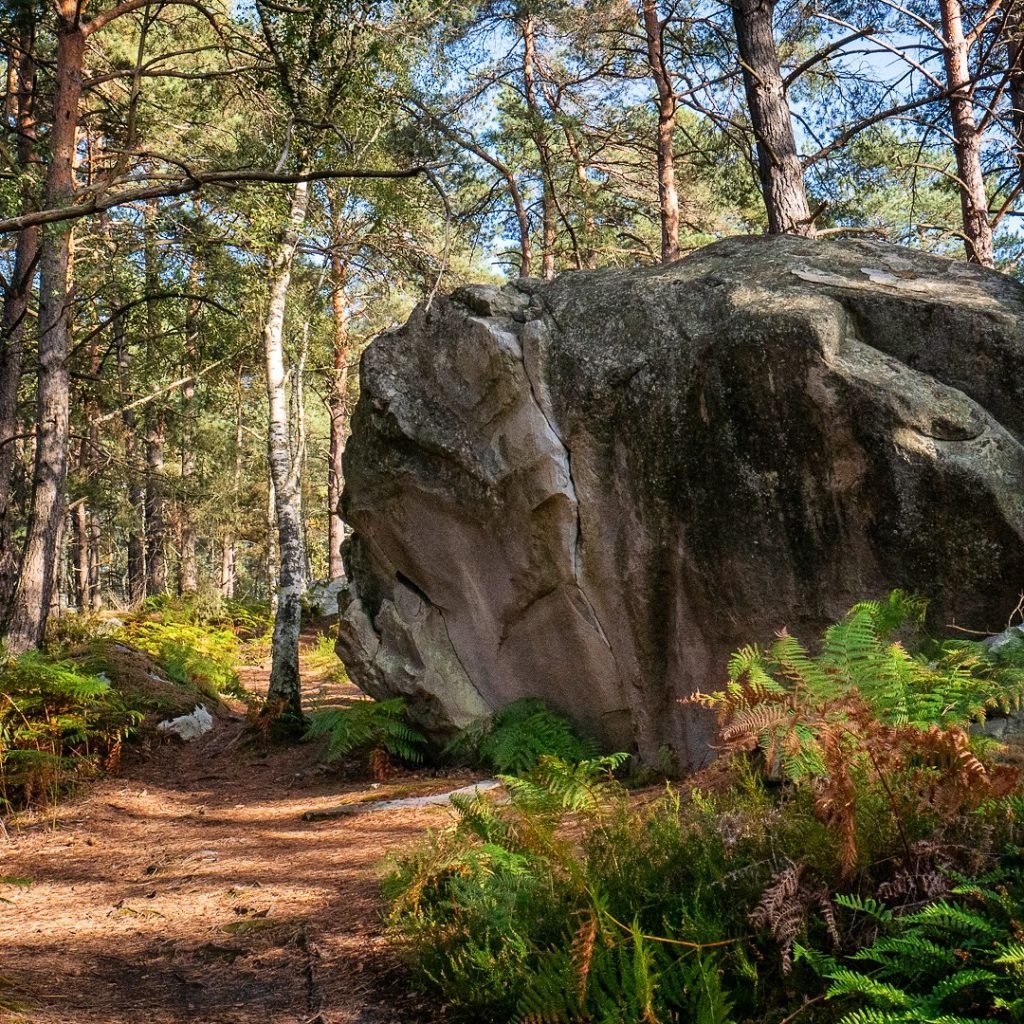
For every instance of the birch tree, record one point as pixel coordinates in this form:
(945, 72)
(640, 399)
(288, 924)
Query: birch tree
(286, 460)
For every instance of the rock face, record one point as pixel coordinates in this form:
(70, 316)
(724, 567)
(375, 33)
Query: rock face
(592, 490)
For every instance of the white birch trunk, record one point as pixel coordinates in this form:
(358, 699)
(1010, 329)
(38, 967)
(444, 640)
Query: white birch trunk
(284, 692)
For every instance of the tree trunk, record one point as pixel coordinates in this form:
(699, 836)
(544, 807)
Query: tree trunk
(1015, 66)
(966, 138)
(228, 550)
(338, 406)
(227, 566)
(538, 133)
(136, 582)
(15, 307)
(156, 526)
(30, 606)
(188, 572)
(90, 463)
(155, 518)
(285, 472)
(587, 258)
(779, 167)
(80, 552)
(95, 543)
(273, 563)
(668, 196)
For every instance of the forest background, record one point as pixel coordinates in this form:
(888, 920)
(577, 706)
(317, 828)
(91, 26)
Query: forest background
(208, 209)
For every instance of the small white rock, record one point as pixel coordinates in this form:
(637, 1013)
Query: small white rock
(189, 727)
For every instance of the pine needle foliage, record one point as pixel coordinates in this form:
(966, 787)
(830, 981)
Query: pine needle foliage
(56, 723)
(379, 729)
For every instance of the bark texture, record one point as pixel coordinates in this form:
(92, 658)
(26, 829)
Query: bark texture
(16, 304)
(668, 196)
(778, 163)
(156, 524)
(156, 485)
(30, 605)
(136, 588)
(285, 472)
(1015, 87)
(188, 568)
(338, 409)
(966, 137)
(538, 133)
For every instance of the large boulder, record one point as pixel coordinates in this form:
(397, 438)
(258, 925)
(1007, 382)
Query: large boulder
(592, 490)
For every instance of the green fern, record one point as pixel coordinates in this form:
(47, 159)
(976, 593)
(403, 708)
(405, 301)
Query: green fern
(201, 655)
(950, 684)
(561, 786)
(526, 730)
(56, 723)
(865, 905)
(366, 726)
(955, 960)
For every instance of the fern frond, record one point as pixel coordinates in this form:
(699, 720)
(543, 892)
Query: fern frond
(801, 670)
(958, 981)
(865, 905)
(951, 917)
(526, 730)
(849, 983)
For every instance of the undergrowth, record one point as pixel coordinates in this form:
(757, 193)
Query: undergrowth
(203, 656)
(65, 713)
(517, 736)
(854, 814)
(321, 661)
(380, 730)
(57, 724)
(958, 959)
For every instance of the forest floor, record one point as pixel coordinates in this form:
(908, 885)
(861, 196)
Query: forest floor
(190, 888)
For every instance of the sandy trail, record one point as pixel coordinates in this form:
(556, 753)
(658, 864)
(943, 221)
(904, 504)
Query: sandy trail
(191, 889)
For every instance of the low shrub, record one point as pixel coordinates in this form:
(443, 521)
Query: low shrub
(202, 656)
(140, 678)
(57, 723)
(72, 629)
(208, 608)
(548, 909)
(866, 722)
(378, 729)
(958, 959)
(518, 735)
(850, 780)
(321, 661)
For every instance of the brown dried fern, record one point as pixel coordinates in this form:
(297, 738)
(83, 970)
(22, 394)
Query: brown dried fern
(582, 954)
(785, 907)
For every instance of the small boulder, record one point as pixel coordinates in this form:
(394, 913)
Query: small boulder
(188, 727)
(322, 596)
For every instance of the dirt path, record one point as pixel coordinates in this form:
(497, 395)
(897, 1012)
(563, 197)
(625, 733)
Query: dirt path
(190, 889)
